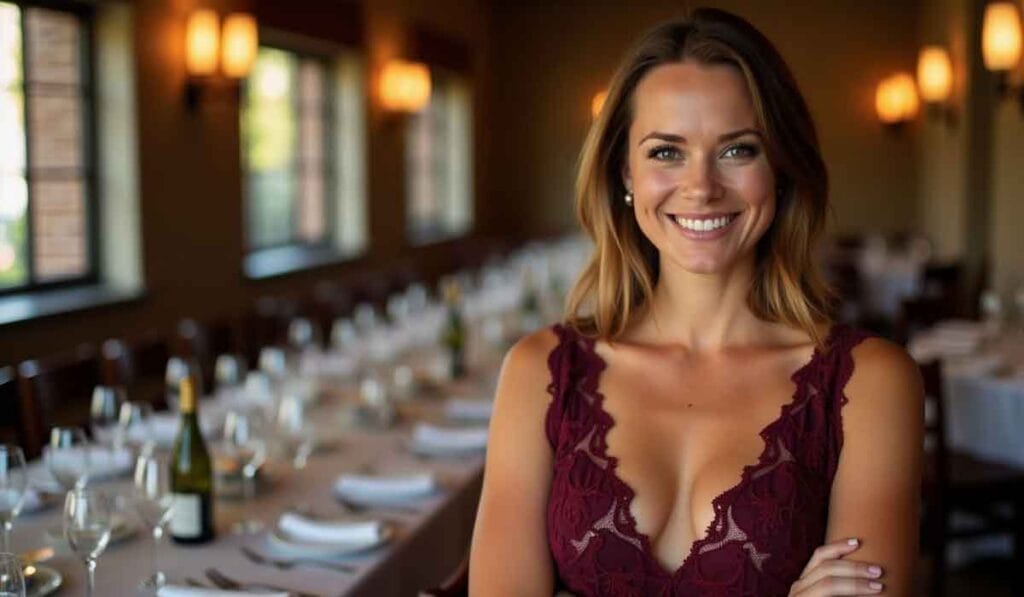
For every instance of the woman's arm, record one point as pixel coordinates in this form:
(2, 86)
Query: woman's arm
(876, 490)
(509, 554)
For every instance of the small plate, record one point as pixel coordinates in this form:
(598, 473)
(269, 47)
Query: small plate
(427, 449)
(288, 545)
(44, 581)
(395, 499)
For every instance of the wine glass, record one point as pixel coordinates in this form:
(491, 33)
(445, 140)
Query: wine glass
(103, 415)
(87, 524)
(229, 371)
(153, 500)
(12, 581)
(273, 362)
(13, 483)
(293, 430)
(243, 441)
(67, 457)
(134, 424)
(302, 334)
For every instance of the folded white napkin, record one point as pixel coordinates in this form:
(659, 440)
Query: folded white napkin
(103, 462)
(469, 408)
(180, 591)
(385, 487)
(369, 532)
(449, 438)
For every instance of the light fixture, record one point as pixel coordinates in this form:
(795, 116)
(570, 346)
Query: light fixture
(935, 82)
(404, 86)
(1001, 45)
(896, 100)
(208, 46)
(240, 41)
(597, 102)
(202, 39)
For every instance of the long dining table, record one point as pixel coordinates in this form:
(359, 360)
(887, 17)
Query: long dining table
(430, 539)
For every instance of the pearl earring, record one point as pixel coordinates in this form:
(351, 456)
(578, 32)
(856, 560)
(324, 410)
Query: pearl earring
(629, 198)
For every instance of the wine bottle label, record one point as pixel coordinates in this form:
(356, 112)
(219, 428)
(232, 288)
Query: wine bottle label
(186, 515)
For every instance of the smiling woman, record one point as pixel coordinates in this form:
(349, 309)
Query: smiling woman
(685, 430)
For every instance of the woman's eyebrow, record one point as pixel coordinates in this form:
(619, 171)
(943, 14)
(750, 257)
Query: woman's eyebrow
(681, 139)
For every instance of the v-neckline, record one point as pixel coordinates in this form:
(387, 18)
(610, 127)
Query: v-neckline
(719, 503)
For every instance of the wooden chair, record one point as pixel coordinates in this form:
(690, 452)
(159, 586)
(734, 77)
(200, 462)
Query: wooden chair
(56, 391)
(955, 481)
(138, 365)
(456, 585)
(12, 427)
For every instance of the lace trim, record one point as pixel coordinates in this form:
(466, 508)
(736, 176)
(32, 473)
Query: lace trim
(721, 529)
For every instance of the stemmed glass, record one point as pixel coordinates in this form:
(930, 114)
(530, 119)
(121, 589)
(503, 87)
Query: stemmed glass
(13, 483)
(103, 415)
(87, 525)
(133, 424)
(243, 441)
(153, 500)
(67, 457)
(12, 581)
(229, 371)
(292, 430)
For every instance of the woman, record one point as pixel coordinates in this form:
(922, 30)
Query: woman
(684, 431)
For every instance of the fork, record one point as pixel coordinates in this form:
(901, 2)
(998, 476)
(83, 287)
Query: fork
(281, 564)
(223, 582)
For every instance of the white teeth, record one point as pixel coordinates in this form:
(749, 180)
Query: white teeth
(705, 225)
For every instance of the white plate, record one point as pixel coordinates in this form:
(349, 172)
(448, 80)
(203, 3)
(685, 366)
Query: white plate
(288, 545)
(428, 449)
(43, 582)
(393, 499)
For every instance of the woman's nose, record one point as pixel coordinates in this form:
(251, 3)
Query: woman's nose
(698, 182)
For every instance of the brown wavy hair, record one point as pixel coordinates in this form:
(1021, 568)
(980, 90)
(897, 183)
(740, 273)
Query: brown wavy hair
(623, 269)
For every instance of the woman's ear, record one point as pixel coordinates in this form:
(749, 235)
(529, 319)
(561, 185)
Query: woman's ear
(627, 180)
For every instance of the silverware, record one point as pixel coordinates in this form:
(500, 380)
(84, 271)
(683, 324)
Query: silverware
(287, 564)
(223, 582)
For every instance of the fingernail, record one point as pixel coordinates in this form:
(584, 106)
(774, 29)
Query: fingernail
(875, 586)
(853, 541)
(874, 571)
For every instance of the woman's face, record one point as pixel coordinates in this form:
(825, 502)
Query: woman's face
(704, 191)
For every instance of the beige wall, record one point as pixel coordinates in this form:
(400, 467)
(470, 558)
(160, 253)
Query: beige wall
(1007, 239)
(554, 56)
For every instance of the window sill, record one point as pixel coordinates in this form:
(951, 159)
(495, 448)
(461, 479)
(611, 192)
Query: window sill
(31, 306)
(280, 261)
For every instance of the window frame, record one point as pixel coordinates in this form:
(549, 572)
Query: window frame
(86, 16)
(330, 172)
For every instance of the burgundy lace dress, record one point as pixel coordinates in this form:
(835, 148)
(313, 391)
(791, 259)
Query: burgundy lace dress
(765, 527)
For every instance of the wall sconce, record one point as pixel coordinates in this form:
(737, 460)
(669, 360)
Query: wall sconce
(896, 100)
(1001, 45)
(597, 102)
(935, 82)
(207, 46)
(404, 86)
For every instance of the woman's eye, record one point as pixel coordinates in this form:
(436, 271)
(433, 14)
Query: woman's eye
(741, 151)
(664, 153)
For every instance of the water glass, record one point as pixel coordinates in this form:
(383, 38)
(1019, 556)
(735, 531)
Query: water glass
(13, 484)
(153, 499)
(274, 362)
(302, 334)
(12, 581)
(88, 520)
(104, 410)
(243, 441)
(67, 457)
(134, 424)
(294, 434)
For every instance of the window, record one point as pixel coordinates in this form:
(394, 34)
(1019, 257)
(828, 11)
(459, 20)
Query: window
(301, 153)
(47, 178)
(439, 202)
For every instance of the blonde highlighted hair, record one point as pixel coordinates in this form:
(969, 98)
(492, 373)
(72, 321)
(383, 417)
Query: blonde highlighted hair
(623, 270)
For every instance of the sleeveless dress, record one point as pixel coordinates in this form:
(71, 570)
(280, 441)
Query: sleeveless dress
(765, 528)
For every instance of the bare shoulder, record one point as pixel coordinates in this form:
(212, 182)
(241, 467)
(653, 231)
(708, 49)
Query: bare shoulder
(884, 376)
(526, 363)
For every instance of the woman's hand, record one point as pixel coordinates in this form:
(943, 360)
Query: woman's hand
(828, 574)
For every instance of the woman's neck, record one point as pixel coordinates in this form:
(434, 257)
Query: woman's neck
(703, 312)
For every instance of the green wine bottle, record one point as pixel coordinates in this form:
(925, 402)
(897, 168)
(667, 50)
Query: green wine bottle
(454, 337)
(191, 476)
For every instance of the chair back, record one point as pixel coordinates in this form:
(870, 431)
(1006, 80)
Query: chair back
(11, 426)
(56, 391)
